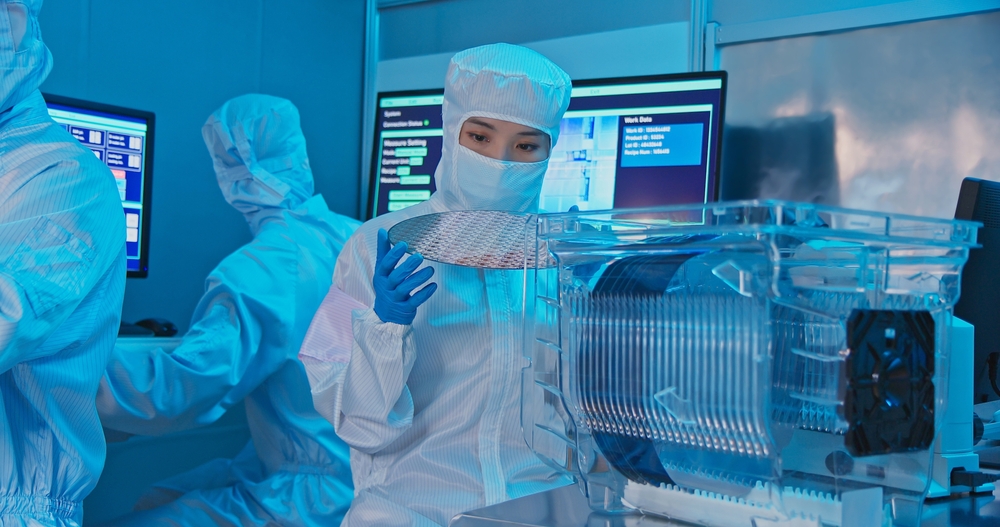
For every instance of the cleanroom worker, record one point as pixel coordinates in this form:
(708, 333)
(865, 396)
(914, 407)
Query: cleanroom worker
(244, 338)
(62, 277)
(428, 396)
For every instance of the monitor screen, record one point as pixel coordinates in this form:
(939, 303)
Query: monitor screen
(623, 143)
(123, 139)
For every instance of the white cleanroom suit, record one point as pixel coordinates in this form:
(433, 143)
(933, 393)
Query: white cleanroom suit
(62, 277)
(432, 409)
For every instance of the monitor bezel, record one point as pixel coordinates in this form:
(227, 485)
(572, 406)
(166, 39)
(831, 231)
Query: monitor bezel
(147, 176)
(603, 81)
(975, 199)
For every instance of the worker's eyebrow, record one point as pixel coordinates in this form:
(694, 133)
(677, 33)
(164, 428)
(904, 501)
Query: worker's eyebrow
(532, 133)
(484, 124)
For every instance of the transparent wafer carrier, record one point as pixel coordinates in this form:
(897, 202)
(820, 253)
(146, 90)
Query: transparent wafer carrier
(744, 364)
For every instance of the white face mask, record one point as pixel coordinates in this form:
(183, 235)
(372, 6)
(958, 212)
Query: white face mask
(491, 184)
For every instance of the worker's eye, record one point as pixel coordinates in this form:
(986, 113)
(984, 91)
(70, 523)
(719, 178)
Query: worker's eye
(527, 147)
(479, 138)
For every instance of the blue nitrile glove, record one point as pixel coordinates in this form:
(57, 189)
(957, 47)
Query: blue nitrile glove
(393, 285)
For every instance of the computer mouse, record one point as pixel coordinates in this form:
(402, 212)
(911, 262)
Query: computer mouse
(159, 326)
(131, 330)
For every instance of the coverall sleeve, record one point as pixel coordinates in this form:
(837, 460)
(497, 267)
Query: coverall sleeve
(58, 235)
(358, 365)
(220, 360)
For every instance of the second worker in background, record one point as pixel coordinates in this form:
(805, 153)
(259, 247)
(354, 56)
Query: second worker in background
(243, 341)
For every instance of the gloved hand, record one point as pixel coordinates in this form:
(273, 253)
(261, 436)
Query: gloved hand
(394, 285)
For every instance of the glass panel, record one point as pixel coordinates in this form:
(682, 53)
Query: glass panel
(888, 118)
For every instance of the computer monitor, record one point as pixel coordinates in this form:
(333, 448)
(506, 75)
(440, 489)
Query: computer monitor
(979, 200)
(123, 139)
(624, 143)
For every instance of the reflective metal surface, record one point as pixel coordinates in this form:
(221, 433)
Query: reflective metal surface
(887, 118)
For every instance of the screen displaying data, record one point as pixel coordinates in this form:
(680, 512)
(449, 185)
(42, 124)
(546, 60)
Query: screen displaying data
(623, 143)
(408, 148)
(121, 142)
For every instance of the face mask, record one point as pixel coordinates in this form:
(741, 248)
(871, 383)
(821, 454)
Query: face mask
(491, 184)
(252, 190)
(258, 194)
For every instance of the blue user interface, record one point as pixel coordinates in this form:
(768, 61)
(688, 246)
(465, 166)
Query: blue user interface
(623, 143)
(408, 142)
(120, 142)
